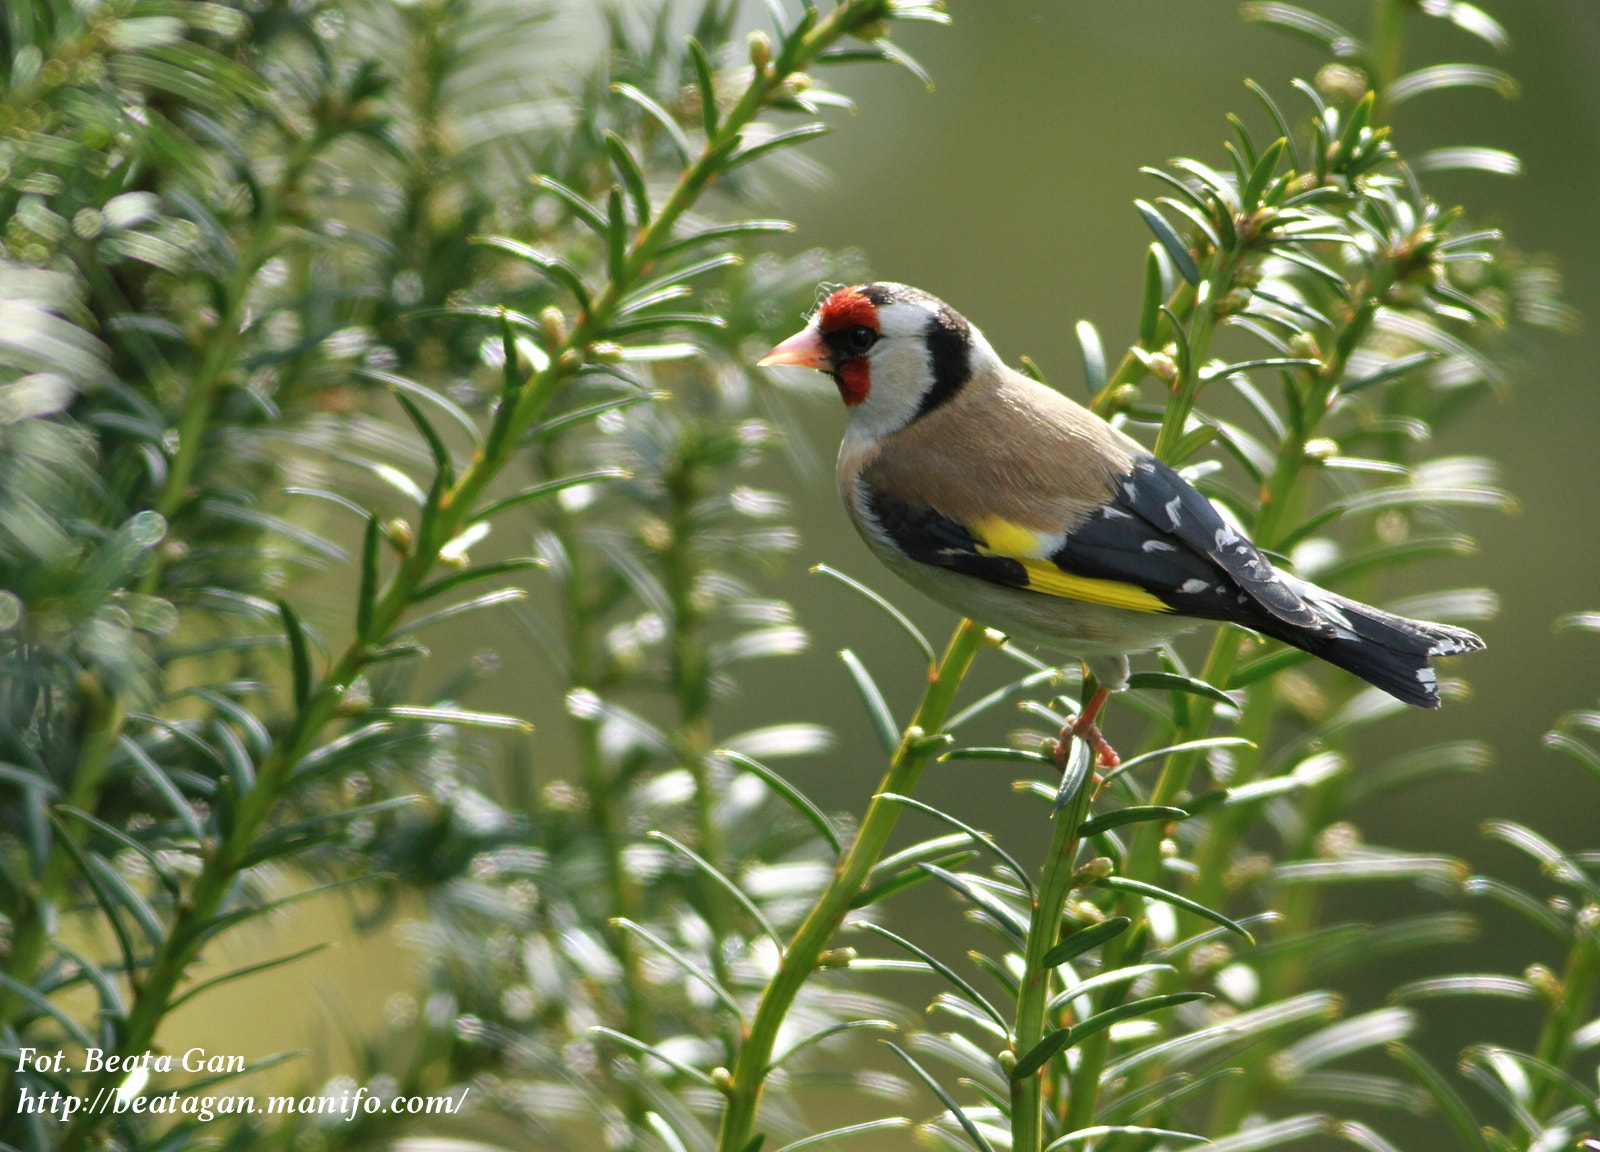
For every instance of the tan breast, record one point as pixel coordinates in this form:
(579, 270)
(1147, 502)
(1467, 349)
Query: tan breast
(1004, 446)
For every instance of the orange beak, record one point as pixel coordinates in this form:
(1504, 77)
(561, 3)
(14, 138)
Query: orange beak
(805, 349)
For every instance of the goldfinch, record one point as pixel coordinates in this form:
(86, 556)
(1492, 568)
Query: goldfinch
(1011, 504)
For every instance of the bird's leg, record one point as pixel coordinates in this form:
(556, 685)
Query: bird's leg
(1085, 728)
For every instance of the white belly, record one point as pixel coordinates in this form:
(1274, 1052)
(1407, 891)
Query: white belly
(1068, 626)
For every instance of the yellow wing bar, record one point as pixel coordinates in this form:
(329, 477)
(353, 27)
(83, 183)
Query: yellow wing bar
(1044, 576)
(1028, 548)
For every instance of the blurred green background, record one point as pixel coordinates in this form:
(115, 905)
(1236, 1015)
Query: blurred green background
(1008, 193)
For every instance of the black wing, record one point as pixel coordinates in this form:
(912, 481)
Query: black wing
(1169, 505)
(1160, 540)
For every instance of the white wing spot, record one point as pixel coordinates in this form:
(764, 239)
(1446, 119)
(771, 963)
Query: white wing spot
(1427, 676)
(1111, 513)
(1157, 546)
(1130, 493)
(1332, 613)
(1225, 536)
(1172, 510)
(1192, 586)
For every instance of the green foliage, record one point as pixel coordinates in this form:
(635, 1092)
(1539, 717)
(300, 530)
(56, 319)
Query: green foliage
(1543, 1097)
(230, 234)
(278, 297)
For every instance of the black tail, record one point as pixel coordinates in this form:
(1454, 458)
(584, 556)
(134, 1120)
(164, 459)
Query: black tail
(1385, 650)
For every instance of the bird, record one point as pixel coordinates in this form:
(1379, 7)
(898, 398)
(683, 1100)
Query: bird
(1007, 501)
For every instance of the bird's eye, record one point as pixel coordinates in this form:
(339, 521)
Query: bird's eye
(860, 339)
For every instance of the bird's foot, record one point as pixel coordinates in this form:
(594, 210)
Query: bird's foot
(1105, 755)
(1085, 728)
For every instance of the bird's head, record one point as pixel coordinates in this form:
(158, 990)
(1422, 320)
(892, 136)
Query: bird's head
(894, 352)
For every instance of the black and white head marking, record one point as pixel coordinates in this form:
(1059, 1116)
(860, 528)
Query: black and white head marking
(926, 353)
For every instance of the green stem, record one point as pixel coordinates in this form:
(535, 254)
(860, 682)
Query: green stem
(1286, 493)
(1178, 769)
(607, 821)
(1388, 51)
(197, 407)
(1132, 368)
(1571, 1009)
(218, 357)
(800, 959)
(1212, 857)
(1055, 886)
(1282, 500)
(1144, 863)
(1201, 330)
(609, 825)
(108, 713)
(691, 680)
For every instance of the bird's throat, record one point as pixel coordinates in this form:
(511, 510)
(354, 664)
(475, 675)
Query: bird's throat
(854, 379)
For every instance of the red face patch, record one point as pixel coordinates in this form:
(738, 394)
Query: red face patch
(845, 309)
(855, 381)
